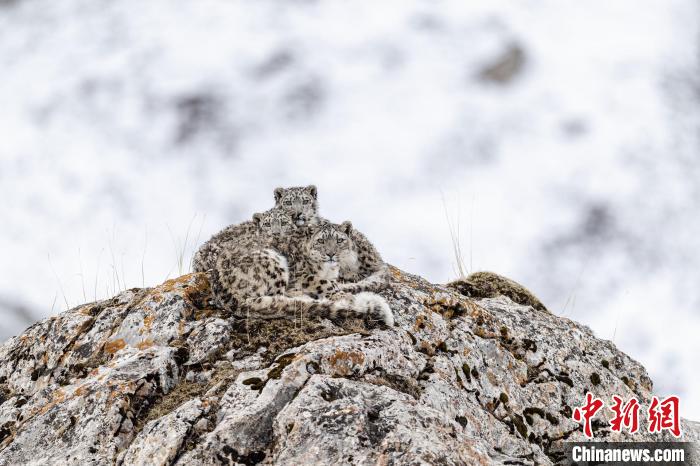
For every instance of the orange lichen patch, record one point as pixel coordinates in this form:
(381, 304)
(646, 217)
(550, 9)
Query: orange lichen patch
(86, 310)
(476, 311)
(492, 377)
(420, 323)
(204, 313)
(343, 361)
(484, 333)
(56, 397)
(174, 283)
(119, 390)
(145, 344)
(427, 348)
(448, 304)
(423, 321)
(193, 287)
(147, 324)
(80, 391)
(193, 282)
(113, 346)
(484, 323)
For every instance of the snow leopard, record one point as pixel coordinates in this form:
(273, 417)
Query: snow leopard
(364, 269)
(205, 257)
(316, 274)
(300, 202)
(251, 277)
(249, 265)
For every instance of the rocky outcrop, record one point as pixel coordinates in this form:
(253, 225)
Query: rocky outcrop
(156, 376)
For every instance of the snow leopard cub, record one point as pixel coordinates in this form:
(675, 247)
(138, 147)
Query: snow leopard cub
(317, 273)
(241, 235)
(364, 269)
(300, 202)
(249, 266)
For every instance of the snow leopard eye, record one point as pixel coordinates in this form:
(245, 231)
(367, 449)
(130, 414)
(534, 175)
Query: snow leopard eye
(319, 241)
(305, 202)
(287, 202)
(340, 240)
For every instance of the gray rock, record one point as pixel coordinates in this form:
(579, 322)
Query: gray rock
(156, 377)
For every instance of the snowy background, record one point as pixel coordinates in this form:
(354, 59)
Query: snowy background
(560, 138)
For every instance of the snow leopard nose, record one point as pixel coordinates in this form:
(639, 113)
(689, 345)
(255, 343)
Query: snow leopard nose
(298, 219)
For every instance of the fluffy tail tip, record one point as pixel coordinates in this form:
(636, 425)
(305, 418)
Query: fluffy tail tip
(375, 306)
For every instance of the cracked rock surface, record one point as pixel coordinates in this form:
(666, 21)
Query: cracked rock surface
(158, 377)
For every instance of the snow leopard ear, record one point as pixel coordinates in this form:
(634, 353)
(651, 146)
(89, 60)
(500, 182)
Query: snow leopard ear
(346, 227)
(312, 190)
(257, 218)
(278, 194)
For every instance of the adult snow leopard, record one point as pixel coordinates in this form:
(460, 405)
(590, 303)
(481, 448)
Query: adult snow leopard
(364, 268)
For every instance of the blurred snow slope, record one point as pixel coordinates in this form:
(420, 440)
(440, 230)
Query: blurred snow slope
(562, 137)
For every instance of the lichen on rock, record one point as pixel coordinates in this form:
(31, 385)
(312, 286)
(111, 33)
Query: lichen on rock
(157, 376)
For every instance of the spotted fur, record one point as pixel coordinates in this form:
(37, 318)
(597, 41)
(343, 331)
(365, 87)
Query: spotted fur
(299, 202)
(205, 257)
(250, 266)
(365, 305)
(251, 275)
(318, 271)
(363, 271)
(269, 227)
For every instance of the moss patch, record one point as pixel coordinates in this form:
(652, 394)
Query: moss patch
(396, 382)
(255, 383)
(5, 393)
(520, 426)
(490, 285)
(282, 362)
(279, 335)
(182, 393)
(467, 371)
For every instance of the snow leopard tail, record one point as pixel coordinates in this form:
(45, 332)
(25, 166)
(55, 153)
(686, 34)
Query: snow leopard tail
(363, 305)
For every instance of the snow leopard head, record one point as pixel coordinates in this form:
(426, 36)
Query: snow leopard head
(274, 222)
(299, 202)
(331, 244)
